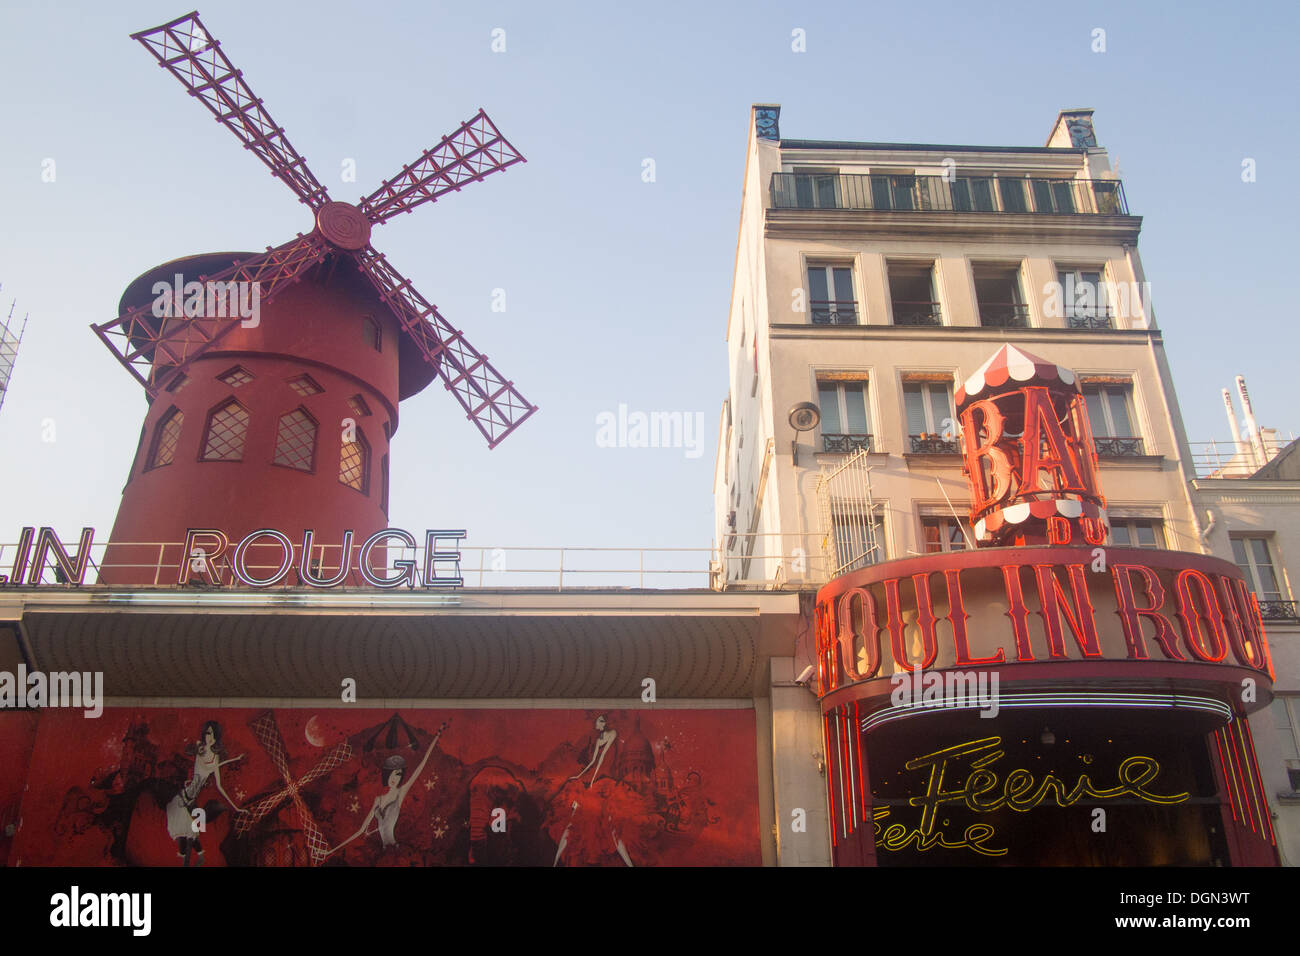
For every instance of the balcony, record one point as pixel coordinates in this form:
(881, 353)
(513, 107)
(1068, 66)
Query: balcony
(917, 313)
(1090, 319)
(826, 312)
(1119, 447)
(1279, 611)
(926, 444)
(987, 194)
(1004, 315)
(844, 444)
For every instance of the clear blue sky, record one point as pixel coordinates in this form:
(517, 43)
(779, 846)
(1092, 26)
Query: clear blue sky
(617, 289)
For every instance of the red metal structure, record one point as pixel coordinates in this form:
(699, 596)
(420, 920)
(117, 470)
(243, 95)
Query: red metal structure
(338, 338)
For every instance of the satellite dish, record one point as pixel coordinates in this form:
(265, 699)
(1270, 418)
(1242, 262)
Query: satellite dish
(805, 416)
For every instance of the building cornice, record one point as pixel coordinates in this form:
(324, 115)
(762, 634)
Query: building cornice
(822, 224)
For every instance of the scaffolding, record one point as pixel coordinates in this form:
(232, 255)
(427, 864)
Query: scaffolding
(851, 522)
(9, 342)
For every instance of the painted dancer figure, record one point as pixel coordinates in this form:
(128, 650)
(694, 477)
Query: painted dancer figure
(207, 753)
(388, 805)
(596, 811)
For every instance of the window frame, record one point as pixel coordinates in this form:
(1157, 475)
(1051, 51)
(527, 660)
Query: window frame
(1130, 524)
(207, 430)
(837, 381)
(1250, 569)
(315, 443)
(828, 267)
(151, 459)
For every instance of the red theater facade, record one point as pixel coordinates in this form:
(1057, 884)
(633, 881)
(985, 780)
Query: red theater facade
(1044, 699)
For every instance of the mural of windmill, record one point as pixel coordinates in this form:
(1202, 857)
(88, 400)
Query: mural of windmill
(281, 416)
(9, 342)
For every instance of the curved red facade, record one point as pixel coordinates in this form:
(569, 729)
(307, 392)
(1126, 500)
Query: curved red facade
(286, 423)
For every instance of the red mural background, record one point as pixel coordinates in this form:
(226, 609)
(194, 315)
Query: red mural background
(341, 786)
(17, 736)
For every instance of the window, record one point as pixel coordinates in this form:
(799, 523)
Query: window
(931, 424)
(943, 534)
(911, 293)
(1053, 195)
(1137, 532)
(1012, 192)
(1083, 295)
(178, 384)
(226, 433)
(1282, 710)
(1111, 419)
(165, 438)
(295, 441)
(858, 541)
(830, 291)
(354, 464)
(383, 486)
(998, 298)
(893, 192)
(820, 190)
(359, 406)
(371, 334)
(235, 377)
(305, 385)
(1255, 559)
(973, 195)
(846, 421)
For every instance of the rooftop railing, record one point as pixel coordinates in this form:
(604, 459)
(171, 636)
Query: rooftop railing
(908, 193)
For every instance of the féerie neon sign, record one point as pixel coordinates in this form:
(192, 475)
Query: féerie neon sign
(985, 792)
(205, 547)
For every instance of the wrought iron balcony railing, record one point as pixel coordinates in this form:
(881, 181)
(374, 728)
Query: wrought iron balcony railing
(905, 193)
(843, 444)
(834, 313)
(917, 313)
(1279, 611)
(1119, 447)
(1004, 315)
(933, 445)
(1089, 318)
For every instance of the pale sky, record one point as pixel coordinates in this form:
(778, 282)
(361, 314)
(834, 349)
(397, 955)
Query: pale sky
(617, 289)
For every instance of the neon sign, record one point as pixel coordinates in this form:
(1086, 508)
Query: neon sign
(1199, 616)
(204, 547)
(985, 792)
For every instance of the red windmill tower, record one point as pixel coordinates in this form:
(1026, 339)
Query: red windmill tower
(274, 379)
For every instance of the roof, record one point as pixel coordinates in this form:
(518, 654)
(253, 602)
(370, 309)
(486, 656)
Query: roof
(925, 147)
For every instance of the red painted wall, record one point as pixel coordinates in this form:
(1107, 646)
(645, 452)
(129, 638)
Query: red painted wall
(17, 737)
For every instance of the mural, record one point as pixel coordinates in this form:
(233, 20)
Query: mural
(348, 787)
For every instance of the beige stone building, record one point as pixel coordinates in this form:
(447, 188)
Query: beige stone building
(871, 280)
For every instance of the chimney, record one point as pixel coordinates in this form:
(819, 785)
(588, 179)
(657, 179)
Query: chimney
(1252, 427)
(1232, 421)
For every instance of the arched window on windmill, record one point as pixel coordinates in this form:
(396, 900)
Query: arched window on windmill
(295, 441)
(354, 463)
(166, 437)
(226, 432)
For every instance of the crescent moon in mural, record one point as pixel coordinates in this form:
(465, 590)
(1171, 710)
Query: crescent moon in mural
(313, 733)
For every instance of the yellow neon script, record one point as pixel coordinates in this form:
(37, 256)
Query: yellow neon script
(983, 792)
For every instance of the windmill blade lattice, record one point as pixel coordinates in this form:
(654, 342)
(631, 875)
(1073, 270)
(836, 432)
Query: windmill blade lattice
(267, 733)
(157, 351)
(187, 51)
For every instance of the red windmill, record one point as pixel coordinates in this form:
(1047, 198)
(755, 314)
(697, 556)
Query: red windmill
(283, 415)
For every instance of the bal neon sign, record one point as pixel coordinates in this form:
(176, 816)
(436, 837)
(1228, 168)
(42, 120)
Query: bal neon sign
(204, 547)
(985, 792)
